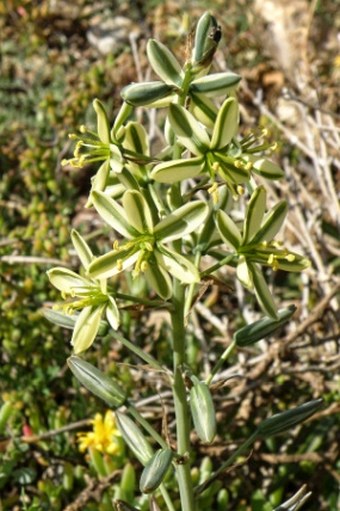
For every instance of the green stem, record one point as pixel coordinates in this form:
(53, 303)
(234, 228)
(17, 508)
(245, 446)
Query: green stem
(138, 351)
(147, 426)
(167, 498)
(226, 464)
(218, 265)
(180, 401)
(191, 289)
(220, 362)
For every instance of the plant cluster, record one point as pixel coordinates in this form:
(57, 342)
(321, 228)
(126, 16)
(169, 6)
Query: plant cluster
(177, 217)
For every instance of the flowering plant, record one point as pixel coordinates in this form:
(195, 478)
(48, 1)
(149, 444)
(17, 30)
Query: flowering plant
(176, 218)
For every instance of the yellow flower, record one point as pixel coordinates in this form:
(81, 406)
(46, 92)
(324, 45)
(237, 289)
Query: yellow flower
(104, 437)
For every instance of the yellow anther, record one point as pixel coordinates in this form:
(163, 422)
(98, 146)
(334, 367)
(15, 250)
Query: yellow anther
(271, 259)
(72, 136)
(264, 132)
(248, 165)
(274, 146)
(83, 128)
(240, 190)
(239, 164)
(144, 266)
(215, 166)
(119, 264)
(290, 258)
(148, 246)
(116, 245)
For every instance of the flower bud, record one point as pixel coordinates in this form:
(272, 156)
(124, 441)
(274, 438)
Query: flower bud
(155, 470)
(97, 382)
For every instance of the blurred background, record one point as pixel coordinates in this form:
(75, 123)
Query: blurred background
(55, 58)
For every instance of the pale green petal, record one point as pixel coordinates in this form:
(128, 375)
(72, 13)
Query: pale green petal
(116, 159)
(86, 328)
(262, 293)
(112, 313)
(67, 281)
(164, 63)
(113, 262)
(113, 214)
(103, 127)
(188, 130)
(81, 247)
(137, 211)
(184, 220)
(136, 138)
(243, 273)
(272, 223)
(254, 214)
(158, 279)
(177, 170)
(99, 180)
(203, 109)
(265, 167)
(226, 124)
(228, 229)
(177, 265)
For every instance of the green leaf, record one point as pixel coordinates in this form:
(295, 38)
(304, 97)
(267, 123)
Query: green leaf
(103, 127)
(217, 84)
(67, 281)
(113, 262)
(177, 265)
(203, 109)
(226, 124)
(81, 247)
(202, 411)
(112, 313)
(228, 230)
(137, 211)
(164, 63)
(177, 170)
(272, 223)
(188, 130)
(134, 438)
(254, 214)
(181, 222)
(143, 94)
(158, 279)
(113, 214)
(280, 422)
(263, 295)
(254, 332)
(97, 382)
(86, 328)
(155, 470)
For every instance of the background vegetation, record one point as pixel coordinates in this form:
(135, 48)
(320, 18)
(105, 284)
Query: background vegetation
(56, 57)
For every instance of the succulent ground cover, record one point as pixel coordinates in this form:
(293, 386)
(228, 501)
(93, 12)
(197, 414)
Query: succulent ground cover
(50, 74)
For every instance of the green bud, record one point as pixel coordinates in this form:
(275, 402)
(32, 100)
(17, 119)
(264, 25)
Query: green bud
(280, 422)
(143, 94)
(264, 327)
(97, 382)
(202, 411)
(155, 470)
(207, 37)
(134, 438)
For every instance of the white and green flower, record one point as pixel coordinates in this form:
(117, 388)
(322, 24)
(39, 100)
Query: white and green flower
(219, 154)
(145, 245)
(255, 247)
(84, 294)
